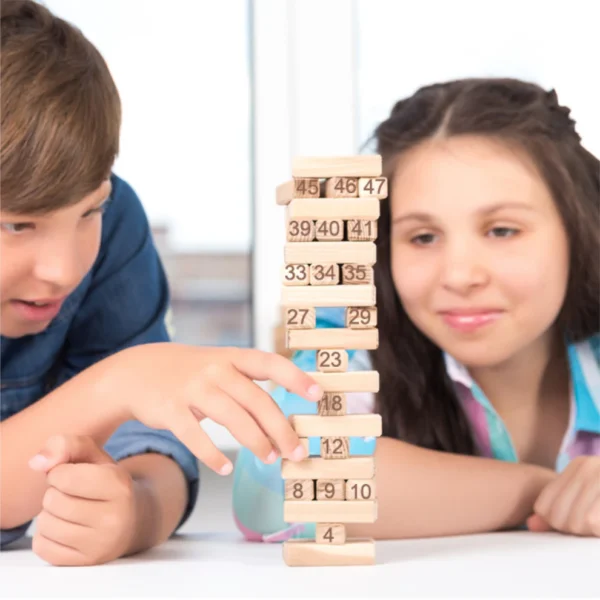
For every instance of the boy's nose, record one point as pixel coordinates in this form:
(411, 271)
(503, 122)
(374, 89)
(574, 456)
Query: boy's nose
(59, 266)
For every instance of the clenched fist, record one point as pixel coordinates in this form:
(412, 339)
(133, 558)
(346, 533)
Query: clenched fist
(89, 509)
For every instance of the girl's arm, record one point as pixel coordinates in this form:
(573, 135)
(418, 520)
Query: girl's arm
(424, 493)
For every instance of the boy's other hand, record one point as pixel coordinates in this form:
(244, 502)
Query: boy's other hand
(571, 502)
(89, 508)
(174, 386)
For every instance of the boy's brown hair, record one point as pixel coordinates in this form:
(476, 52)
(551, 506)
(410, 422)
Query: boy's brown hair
(60, 111)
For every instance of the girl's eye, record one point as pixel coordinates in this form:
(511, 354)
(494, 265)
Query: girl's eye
(16, 227)
(504, 232)
(424, 239)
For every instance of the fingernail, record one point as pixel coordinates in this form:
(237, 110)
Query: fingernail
(226, 469)
(315, 391)
(271, 458)
(299, 453)
(39, 462)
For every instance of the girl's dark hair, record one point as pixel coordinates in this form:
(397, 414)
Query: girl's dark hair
(417, 399)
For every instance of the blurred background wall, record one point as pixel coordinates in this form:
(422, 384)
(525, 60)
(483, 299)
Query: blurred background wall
(219, 95)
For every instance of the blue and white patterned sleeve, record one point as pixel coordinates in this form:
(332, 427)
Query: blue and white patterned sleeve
(258, 489)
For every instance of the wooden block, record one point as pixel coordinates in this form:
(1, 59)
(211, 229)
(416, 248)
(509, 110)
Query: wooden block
(361, 317)
(300, 230)
(299, 489)
(330, 295)
(354, 467)
(324, 274)
(297, 188)
(320, 511)
(330, 533)
(330, 489)
(329, 230)
(296, 274)
(332, 404)
(309, 553)
(373, 186)
(335, 448)
(336, 337)
(341, 187)
(357, 274)
(300, 318)
(361, 230)
(366, 425)
(337, 166)
(334, 208)
(363, 253)
(360, 489)
(332, 361)
(351, 381)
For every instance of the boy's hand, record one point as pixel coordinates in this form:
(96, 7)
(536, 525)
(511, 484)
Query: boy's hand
(571, 502)
(173, 386)
(89, 508)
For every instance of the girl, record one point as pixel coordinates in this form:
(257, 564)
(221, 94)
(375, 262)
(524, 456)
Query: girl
(487, 282)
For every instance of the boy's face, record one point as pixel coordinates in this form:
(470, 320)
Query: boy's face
(44, 258)
(480, 257)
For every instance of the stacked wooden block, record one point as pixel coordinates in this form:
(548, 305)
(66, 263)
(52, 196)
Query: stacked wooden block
(332, 207)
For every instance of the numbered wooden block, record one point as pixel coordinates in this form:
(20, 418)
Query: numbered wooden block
(325, 511)
(367, 165)
(362, 230)
(334, 338)
(330, 489)
(332, 361)
(299, 489)
(341, 187)
(364, 425)
(309, 553)
(329, 230)
(332, 404)
(330, 533)
(331, 208)
(360, 489)
(300, 318)
(350, 381)
(300, 230)
(335, 447)
(353, 274)
(331, 295)
(373, 186)
(361, 317)
(307, 187)
(362, 253)
(324, 274)
(296, 275)
(354, 467)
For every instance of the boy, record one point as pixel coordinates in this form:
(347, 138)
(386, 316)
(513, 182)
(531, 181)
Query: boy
(99, 410)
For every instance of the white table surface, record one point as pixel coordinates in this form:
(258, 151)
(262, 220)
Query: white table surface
(511, 564)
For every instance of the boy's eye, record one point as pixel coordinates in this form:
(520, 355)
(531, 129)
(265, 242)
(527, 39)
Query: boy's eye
(504, 232)
(16, 227)
(98, 210)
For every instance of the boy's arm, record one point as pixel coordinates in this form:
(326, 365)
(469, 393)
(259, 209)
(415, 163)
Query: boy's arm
(126, 305)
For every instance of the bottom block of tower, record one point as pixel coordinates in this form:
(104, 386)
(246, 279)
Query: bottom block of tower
(307, 553)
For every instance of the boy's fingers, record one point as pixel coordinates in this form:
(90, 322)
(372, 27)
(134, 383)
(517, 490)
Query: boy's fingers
(263, 366)
(82, 480)
(265, 412)
(225, 411)
(61, 449)
(187, 429)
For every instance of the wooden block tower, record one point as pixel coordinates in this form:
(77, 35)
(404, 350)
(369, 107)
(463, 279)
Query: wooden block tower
(332, 207)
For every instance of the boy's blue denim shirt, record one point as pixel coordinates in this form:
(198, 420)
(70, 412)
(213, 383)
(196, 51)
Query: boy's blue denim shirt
(123, 301)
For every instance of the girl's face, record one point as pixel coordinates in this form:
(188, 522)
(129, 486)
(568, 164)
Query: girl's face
(480, 256)
(44, 258)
